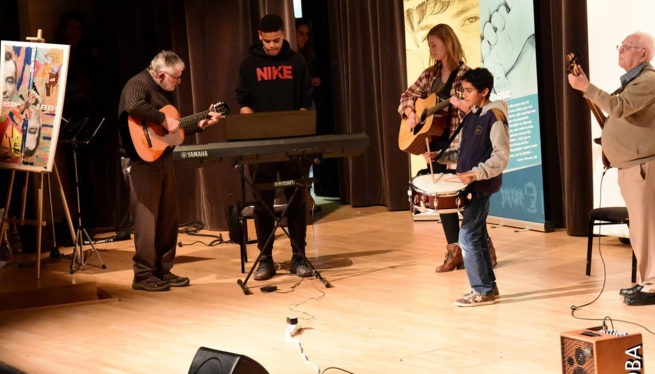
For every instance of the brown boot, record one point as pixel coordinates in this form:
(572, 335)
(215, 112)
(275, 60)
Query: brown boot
(492, 254)
(453, 259)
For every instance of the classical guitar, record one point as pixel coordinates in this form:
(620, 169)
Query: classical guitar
(147, 141)
(572, 61)
(413, 140)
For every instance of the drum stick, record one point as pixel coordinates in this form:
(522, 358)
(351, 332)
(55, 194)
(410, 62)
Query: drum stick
(427, 145)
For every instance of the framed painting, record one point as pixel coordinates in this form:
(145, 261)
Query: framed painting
(33, 91)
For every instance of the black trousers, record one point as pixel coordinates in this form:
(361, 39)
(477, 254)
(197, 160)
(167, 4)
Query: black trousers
(297, 210)
(153, 208)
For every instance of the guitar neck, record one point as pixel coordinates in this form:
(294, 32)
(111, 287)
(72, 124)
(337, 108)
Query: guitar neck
(440, 105)
(192, 120)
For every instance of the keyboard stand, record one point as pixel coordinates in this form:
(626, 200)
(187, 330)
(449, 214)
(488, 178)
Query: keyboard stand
(302, 182)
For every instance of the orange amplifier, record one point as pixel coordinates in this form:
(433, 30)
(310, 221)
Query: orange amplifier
(595, 351)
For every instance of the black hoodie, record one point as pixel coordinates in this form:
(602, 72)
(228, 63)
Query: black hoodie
(274, 83)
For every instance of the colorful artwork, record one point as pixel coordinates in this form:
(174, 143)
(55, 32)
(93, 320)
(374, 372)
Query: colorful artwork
(33, 89)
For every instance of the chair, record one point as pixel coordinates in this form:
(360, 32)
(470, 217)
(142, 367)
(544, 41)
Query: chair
(608, 216)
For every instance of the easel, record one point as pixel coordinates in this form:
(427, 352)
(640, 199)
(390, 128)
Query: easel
(39, 222)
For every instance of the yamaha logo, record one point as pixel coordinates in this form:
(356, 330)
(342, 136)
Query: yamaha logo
(194, 154)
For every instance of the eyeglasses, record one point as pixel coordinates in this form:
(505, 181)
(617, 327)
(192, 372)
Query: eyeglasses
(627, 47)
(178, 78)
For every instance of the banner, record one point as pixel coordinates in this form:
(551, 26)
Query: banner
(501, 38)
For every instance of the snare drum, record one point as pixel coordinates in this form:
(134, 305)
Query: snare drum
(445, 194)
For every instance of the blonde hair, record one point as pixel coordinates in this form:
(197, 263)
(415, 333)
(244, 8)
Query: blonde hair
(454, 49)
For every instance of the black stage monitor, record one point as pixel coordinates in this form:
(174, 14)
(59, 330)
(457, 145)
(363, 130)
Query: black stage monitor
(211, 361)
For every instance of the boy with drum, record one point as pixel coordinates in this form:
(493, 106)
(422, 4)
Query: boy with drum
(481, 158)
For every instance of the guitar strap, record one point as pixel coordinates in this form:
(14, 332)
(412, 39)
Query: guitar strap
(449, 84)
(444, 139)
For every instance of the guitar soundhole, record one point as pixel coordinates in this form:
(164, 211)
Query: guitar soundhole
(424, 116)
(420, 125)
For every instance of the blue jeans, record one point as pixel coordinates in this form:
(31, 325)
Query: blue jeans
(474, 242)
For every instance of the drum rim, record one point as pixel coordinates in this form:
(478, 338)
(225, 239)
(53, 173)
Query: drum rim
(445, 194)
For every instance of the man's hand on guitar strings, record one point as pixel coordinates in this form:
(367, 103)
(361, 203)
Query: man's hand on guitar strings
(211, 120)
(579, 82)
(172, 125)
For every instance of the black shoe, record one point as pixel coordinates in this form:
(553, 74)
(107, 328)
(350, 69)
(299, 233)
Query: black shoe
(152, 284)
(176, 281)
(631, 291)
(641, 298)
(266, 269)
(300, 267)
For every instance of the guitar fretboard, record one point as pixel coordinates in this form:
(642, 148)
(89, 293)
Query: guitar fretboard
(192, 120)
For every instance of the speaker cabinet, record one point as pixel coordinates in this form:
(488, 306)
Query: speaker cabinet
(211, 361)
(591, 351)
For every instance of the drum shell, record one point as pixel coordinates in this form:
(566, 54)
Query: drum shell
(439, 200)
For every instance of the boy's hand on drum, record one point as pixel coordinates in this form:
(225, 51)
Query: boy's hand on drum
(429, 156)
(467, 177)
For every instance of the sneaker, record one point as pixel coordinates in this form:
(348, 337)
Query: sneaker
(266, 269)
(176, 281)
(300, 267)
(475, 299)
(152, 284)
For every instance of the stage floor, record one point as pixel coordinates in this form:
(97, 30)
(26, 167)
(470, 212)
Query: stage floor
(388, 311)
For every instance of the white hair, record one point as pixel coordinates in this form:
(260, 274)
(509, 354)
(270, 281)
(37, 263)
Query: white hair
(646, 41)
(165, 60)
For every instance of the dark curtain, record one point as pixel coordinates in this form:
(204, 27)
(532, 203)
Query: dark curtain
(366, 39)
(327, 172)
(369, 74)
(566, 122)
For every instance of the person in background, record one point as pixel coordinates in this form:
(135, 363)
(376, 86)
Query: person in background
(304, 43)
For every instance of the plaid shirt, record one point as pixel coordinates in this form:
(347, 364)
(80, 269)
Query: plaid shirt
(422, 88)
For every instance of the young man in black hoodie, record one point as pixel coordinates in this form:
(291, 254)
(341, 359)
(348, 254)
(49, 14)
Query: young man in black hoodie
(272, 78)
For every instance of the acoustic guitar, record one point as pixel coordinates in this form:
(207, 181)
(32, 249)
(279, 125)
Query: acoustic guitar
(147, 141)
(413, 140)
(572, 63)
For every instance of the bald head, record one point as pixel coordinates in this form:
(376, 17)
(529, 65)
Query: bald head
(646, 41)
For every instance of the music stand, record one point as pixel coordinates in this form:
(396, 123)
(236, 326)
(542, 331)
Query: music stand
(303, 123)
(76, 132)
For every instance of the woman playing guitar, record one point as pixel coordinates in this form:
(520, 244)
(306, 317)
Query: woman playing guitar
(442, 78)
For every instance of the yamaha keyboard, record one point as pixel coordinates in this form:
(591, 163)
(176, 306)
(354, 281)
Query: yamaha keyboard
(272, 150)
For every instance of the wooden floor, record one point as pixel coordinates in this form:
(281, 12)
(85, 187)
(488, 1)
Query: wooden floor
(388, 311)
